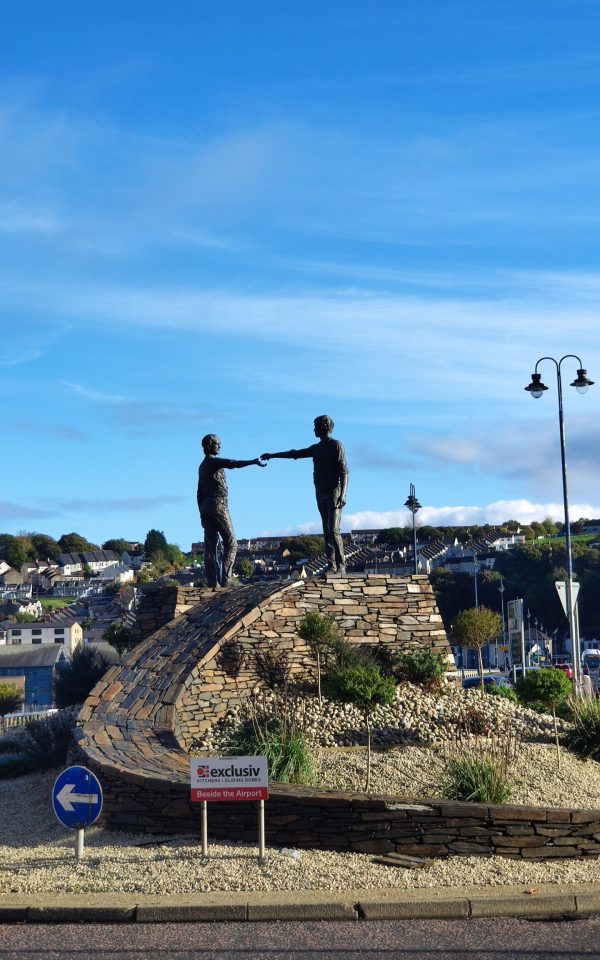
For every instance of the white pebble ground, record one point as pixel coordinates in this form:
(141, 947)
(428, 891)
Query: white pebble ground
(36, 852)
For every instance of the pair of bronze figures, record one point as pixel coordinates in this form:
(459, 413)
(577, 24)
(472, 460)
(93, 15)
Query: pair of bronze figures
(330, 474)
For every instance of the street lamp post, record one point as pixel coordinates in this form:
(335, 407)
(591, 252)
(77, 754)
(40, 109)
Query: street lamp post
(413, 505)
(536, 388)
(501, 590)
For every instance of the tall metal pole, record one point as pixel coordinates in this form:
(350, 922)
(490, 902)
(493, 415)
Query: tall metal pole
(536, 388)
(413, 505)
(574, 632)
(501, 588)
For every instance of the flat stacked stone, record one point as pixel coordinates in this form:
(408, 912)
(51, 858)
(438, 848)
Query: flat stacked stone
(135, 725)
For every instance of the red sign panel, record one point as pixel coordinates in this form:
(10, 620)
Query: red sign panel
(229, 779)
(231, 794)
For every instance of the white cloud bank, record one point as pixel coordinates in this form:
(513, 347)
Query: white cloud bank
(493, 513)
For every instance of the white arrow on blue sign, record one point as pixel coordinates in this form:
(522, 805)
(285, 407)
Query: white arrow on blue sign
(77, 797)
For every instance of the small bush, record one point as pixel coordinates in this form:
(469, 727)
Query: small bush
(478, 767)
(272, 667)
(76, 679)
(14, 767)
(476, 780)
(281, 742)
(46, 742)
(342, 654)
(505, 693)
(474, 720)
(425, 667)
(584, 737)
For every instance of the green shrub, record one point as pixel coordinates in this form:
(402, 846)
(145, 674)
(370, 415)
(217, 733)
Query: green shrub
(424, 666)
(365, 687)
(318, 632)
(76, 680)
(476, 780)
(280, 741)
(549, 687)
(584, 736)
(14, 767)
(506, 693)
(342, 654)
(478, 766)
(45, 743)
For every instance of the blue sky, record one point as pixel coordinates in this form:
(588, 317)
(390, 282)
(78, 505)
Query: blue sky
(234, 217)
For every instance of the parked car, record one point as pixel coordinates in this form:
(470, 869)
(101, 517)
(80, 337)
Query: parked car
(470, 682)
(566, 668)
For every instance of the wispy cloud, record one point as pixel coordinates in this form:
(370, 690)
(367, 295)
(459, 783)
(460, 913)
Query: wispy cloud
(97, 395)
(18, 512)
(140, 413)
(17, 356)
(39, 428)
(117, 504)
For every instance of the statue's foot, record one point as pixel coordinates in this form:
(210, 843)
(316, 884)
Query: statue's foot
(342, 570)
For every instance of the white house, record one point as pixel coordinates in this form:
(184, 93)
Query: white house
(70, 634)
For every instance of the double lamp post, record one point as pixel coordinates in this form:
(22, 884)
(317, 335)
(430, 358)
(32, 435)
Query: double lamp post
(536, 389)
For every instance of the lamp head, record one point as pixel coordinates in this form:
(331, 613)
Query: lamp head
(536, 387)
(581, 383)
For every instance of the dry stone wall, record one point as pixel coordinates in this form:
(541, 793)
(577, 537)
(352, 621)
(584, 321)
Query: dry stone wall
(371, 611)
(134, 723)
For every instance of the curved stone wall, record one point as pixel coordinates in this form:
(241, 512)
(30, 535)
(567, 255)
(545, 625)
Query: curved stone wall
(135, 726)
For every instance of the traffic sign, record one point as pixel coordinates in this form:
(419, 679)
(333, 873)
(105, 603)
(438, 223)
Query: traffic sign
(561, 589)
(77, 797)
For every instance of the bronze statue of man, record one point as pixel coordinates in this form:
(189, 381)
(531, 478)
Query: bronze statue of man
(214, 510)
(330, 475)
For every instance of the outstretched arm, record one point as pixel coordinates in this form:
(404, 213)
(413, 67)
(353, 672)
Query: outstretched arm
(288, 454)
(236, 464)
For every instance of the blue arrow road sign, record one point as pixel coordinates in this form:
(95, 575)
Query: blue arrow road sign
(77, 797)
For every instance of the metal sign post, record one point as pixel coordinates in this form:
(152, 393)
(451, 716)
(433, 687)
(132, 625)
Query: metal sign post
(204, 829)
(232, 780)
(261, 830)
(77, 802)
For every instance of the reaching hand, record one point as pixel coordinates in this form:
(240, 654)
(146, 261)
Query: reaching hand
(259, 462)
(265, 456)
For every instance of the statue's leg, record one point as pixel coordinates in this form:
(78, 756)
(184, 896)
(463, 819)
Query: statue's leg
(211, 565)
(229, 544)
(336, 518)
(324, 504)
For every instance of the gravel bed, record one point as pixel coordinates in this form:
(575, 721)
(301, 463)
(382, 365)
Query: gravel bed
(36, 852)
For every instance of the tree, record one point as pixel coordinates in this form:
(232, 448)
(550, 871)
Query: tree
(155, 542)
(10, 698)
(46, 548)
(23, 618)
(244, 568)
(13, 550)
(119, 636)
(75, 543)
(117, 546)
(318, 632)
(76, 679)
(365, 687)
(475, 627)
(87, 571)
(548, 686)
(395, 535)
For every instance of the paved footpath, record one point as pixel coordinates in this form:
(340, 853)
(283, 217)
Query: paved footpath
(546, 901)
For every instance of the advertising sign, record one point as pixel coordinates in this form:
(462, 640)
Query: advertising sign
(229, 779)
(516, 630)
